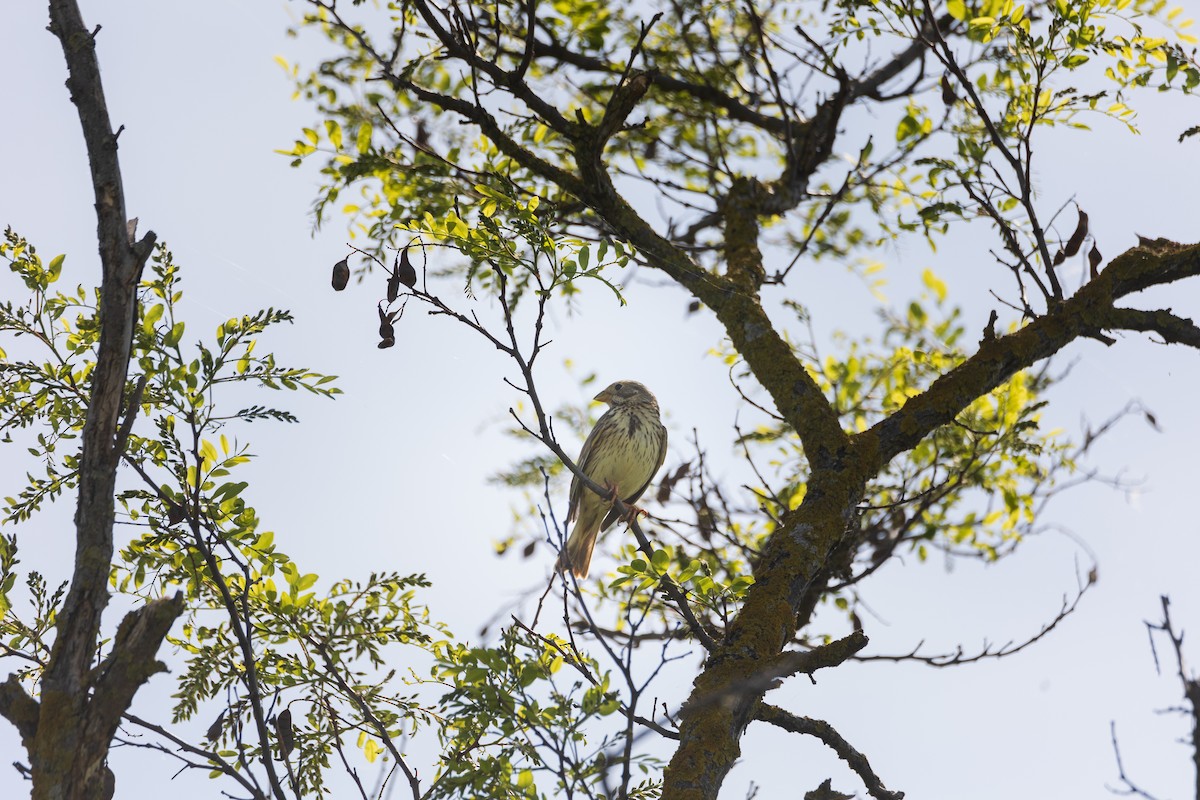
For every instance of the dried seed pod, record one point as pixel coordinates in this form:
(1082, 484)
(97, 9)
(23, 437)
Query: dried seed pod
(387, 332)
(669, 481)
(404, 270)
(1094, 259)
(705, 522)
(948, 95)
(1076, 240)
(393, 284)
(341, 275)
(283, 726)
(214, 731)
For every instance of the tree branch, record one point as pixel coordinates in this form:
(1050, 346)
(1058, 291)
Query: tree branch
(988, 651)
(20, 709)
(215, 760)
(1172, 328)
(787, 664)
(832, 739)
(1187, 679)
(64, 763)
(1087, 311)
(130, 664)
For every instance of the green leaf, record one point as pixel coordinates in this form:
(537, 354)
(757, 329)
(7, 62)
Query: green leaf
(909, 126)
(153, 315)
(55, 268)
(334, 131)
(176, 333)
(363, 140)
(660, 560)
(934, 283)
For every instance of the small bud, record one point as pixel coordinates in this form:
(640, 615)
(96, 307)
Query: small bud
(341, 275)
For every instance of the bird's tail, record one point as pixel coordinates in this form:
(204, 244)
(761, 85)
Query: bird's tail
(577, 555)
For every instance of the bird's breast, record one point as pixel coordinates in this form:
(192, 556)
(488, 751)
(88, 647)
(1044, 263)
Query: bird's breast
(630, 458)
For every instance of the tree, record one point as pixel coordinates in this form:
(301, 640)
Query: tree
(198, 549)
(478, 127)
(729, 114)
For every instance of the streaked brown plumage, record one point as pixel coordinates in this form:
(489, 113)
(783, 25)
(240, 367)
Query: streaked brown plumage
(622, 452)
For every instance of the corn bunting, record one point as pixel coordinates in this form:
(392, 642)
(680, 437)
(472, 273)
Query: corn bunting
(622, 453)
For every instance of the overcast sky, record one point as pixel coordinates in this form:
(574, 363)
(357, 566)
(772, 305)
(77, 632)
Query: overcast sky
(394, 474)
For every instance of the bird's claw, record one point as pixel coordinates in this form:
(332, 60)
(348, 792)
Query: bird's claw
(632, 512)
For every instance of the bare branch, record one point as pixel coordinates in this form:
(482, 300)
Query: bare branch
(1172, 328)
(213, 758)
(1189, 681)
(958, 657)
(827, 734)
(1129, 787)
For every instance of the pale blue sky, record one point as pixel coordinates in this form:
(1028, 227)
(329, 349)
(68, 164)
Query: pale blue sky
(393, 475)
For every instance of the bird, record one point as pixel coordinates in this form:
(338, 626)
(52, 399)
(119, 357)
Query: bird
(622, 453)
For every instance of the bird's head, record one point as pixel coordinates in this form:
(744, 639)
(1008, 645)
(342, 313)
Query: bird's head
(626, 393)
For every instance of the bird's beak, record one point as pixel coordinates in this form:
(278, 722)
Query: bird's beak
(603, 397)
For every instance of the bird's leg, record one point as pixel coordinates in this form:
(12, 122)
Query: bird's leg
(632, 512)
(612, 498)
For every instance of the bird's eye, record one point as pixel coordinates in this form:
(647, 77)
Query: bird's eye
(618, 387)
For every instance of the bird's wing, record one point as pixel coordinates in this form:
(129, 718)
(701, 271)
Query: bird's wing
(658, 462)
(583, 462)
